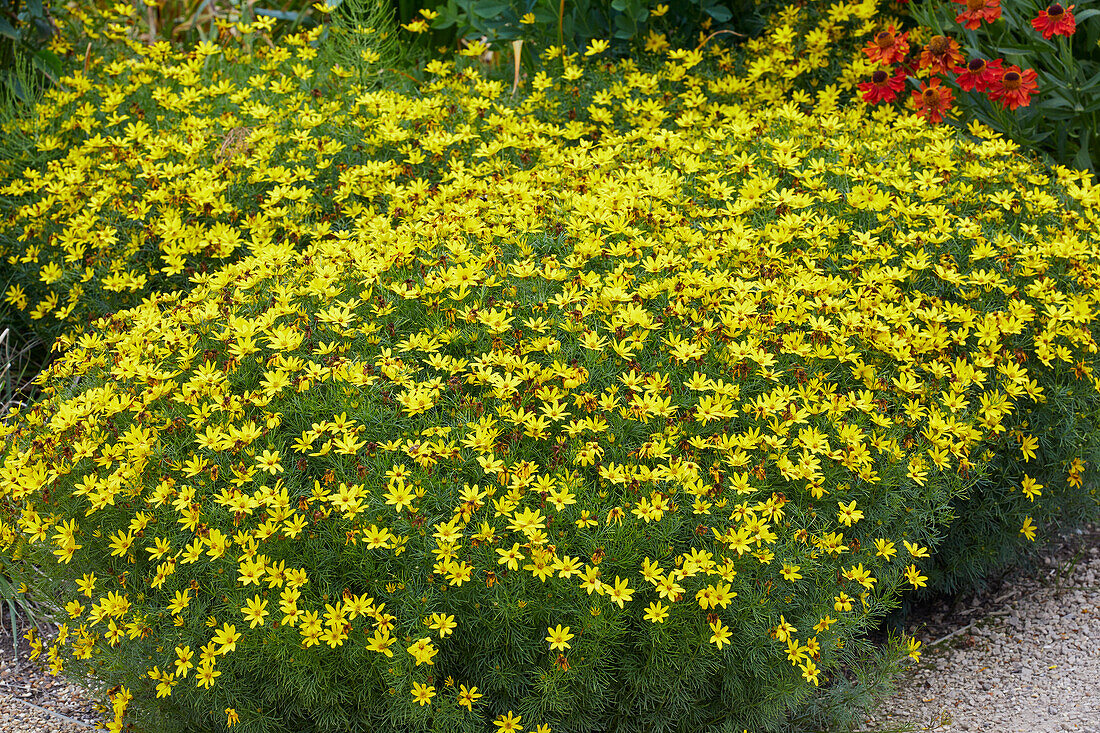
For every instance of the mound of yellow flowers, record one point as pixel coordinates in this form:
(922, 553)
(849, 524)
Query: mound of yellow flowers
(152, 165)
(610, 424)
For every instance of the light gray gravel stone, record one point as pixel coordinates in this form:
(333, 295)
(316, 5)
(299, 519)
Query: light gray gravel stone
(19, 716)
(1033, 667)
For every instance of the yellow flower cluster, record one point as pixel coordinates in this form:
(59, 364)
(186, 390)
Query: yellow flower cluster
(170, 162)
(677, 368)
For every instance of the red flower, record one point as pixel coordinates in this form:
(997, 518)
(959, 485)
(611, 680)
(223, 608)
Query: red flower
(977, 11)
(888, 47)
(978, 74)
(1055, 21)
(883, 87)
(932, 100)
(1014, 88)
(940, 54)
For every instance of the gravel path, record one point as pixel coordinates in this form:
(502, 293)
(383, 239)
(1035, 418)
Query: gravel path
(1023, 658)
(33, 701)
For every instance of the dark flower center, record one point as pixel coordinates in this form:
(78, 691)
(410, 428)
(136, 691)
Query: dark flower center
(939, 45)
(975, 66)
(973, 5)
(931, 96)
(885, 39)
(1055, 11)
(880, 77)
(1011, 81)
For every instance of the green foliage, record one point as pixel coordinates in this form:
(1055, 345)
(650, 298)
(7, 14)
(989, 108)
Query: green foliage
(543, 23)
(1064, 462)
(363, 36)
(26, 29)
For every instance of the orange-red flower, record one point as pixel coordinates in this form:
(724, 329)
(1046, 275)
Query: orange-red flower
(883, 87)
(978, 74)
(888, 47)
(1014, 87)
(932, 100)
(940, 55)
(1055, 21)
(977, 11)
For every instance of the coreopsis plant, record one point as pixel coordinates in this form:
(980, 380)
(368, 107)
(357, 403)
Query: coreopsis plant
(190, 144)
(637, 418)
(627, 404)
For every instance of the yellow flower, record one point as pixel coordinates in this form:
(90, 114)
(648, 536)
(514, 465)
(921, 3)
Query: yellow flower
(508, 724)
(913, 647)
(254, 611)
(423, 651)
(467, 697)
(1030, 488)
(182, 601)
(885, 548)
(1028, 530)
(620, 591)
(596, 46)
(783, 631)
(559, 637)
(423, 694)
(226, 637)
(810, 671)
(721, 634)
(656, 612)
(206, 674)
(915, 550)
(443, 623)
(232, 718)
(915, 578)
(848, 514)
(87, 584)
(400, 495)
(269, 462)
(381, 643)
(183, 661)
(860, 575)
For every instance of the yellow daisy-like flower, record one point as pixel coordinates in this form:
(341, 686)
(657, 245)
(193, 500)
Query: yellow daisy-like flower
(656, 612)
(423, 651)
(596, 46)
(467, 697)
(620, 592)
(559, 637)
(1031, 488)
(508, 723)
(721, 634)
(848, 514)
(423, 694)
(914, 577)
(254, 611)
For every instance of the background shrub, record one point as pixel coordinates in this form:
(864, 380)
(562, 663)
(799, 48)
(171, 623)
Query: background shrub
(1061, 116)
(626, 23)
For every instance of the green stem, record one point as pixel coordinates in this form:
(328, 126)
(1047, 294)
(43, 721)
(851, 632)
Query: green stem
(1067, 63)
(561, 16)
